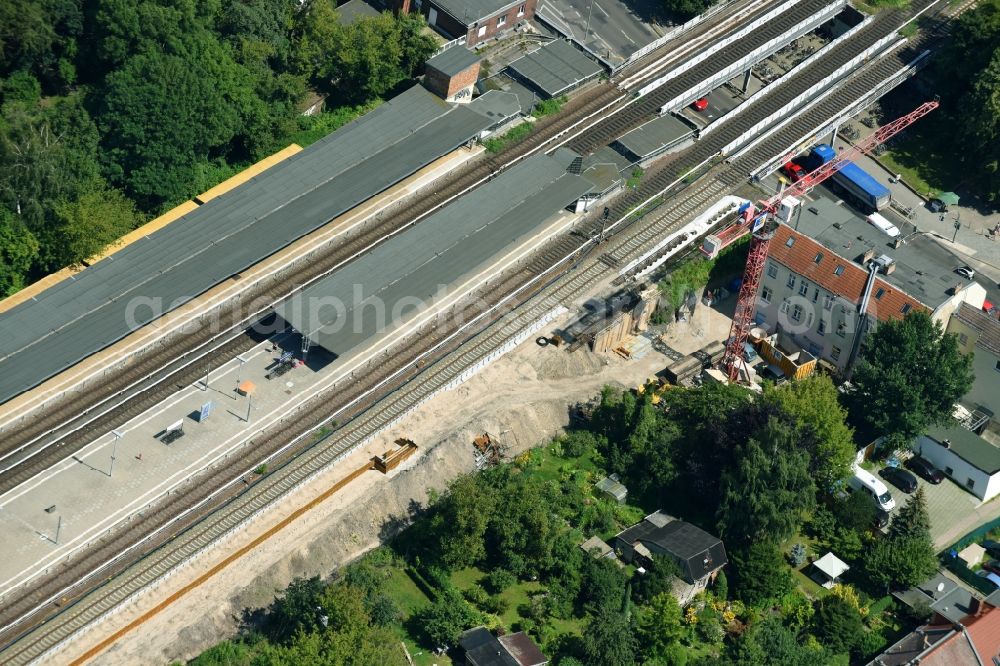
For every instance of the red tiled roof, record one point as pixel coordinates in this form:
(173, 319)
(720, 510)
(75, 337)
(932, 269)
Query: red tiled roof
(801, 257)
(984, 633)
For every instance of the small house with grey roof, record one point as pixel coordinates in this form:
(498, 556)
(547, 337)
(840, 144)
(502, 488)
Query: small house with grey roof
(698, 554)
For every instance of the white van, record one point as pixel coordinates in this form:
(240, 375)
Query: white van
(869, 483)
(883, 225)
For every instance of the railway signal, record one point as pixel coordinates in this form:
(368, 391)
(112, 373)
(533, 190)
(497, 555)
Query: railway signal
(762, 226)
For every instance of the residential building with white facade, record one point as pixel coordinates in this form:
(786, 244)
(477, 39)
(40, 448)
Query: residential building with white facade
(817, 272)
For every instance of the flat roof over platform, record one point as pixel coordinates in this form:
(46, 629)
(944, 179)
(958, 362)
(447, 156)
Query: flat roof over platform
(555, 68)
(654, 137)
(92, 310)
(416, 268)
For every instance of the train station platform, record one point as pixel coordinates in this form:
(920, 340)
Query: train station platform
(229, 233)
(76, 501)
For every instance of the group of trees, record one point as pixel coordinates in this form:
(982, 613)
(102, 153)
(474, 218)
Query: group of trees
(113, 110)
(966, 75)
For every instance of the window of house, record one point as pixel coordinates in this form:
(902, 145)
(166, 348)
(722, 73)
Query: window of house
(821, 329)
(997, 366)
(797, 312)
(905, 308)
(772, 271)
(791, 281)
(835, 353)
(963, 338)
(784, 308)
(790, 242)
(815, 295)
(765, 295)
(879, 294)
(501, 20)
(803, 288)
(819, 257)
(520, 10)
(842, 329)
(839, 270)
(482, 30)
(809, 318)
(828, 302)
(970, 483)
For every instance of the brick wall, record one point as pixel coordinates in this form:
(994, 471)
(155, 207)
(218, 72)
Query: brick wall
(445, 86)
(512, 17)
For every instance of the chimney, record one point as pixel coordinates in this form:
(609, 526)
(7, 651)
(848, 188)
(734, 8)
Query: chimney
(888, 270)
(868, 255)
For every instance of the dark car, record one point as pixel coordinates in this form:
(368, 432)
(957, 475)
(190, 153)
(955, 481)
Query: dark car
(900, 478)
(992, 547)
(881, 518)
(993, 566)
(925, 469)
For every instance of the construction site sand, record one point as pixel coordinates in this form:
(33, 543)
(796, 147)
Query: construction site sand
(527, 392)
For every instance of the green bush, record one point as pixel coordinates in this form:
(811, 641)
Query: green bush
(548, 107)
(499, 580)
(498, 143)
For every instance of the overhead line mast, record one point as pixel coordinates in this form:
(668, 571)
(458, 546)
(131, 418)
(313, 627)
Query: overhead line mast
(762, 226)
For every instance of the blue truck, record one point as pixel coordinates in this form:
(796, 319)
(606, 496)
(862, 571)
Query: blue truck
(854, 181)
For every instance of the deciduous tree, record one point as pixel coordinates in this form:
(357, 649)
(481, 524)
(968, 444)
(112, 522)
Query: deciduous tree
(610, 640)
(910, 376)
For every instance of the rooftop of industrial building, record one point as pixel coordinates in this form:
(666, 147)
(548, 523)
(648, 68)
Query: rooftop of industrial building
(80, 316)
(453, 61)
(924, 269)
(498, 106)
(656, 135)
(408, 271)
(555, 68)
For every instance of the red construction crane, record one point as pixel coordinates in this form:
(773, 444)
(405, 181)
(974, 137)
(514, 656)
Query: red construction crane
(762, 227)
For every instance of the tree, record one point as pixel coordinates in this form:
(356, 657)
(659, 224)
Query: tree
(761, 574)
(837, 624)
(445, 620)
(458, 523)
(18, 250)
(163, 112)
(814, 405)
(603, 584)
(912, 519)
(295, 610)
(769, 643)
(905, 557)
(610, 640)
(658, 579)
(681, 10)
(90, 223)
(910, 376)
(659, 625)
(901, 563)
(768, 488)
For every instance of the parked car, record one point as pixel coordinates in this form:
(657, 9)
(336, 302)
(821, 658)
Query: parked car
(993, 566)
(990, 576)
(966, 272)
(900, 478)
(700, 104)
(881, 518)
(936, 206)
(925, 469)
(992, 547)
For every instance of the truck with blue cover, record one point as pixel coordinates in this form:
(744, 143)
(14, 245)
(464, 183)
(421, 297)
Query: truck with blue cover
(854, 181)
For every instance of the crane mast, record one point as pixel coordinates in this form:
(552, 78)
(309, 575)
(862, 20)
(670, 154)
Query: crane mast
(762, 227)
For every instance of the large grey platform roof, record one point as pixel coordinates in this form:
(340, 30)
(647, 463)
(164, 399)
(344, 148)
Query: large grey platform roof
(468, 12)
(555, 68)
(340, 311)
(652, 137)
(81, 315)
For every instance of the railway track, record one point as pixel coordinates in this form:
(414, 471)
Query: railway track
(647, 107)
